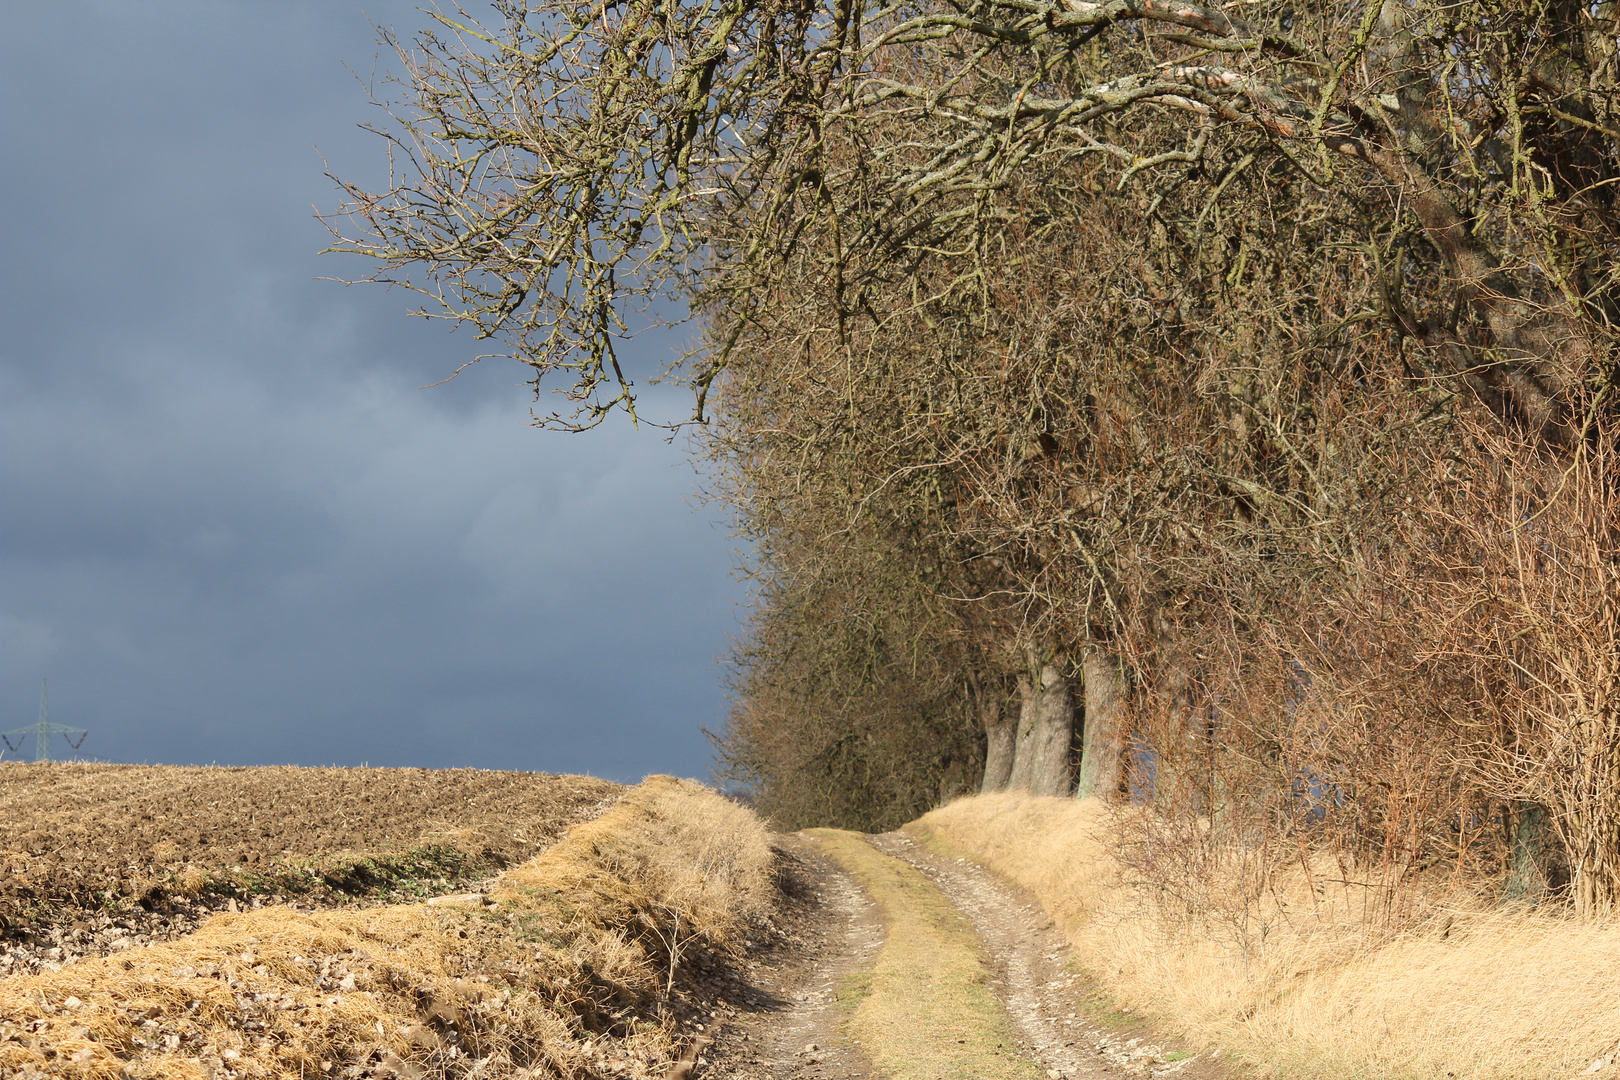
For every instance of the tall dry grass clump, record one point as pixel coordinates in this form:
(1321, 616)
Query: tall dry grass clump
(693, 866)
(1305, 977)
(558, 970)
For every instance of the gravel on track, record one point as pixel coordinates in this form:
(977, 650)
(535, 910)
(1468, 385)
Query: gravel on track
(788, 1026)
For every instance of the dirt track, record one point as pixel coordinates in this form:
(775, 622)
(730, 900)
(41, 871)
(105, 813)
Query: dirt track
(1054, 1006)
(788, 1029)
(787, 1026)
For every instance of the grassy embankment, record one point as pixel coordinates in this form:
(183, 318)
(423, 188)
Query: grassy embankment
(1470, 994)
(925, 1010)
(557, 970)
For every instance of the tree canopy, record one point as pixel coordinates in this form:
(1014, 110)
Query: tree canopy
(572, 161)
(1251, 351)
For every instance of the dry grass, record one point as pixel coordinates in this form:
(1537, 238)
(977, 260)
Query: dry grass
(557, 971)
(1304, 984)
(927, 1011)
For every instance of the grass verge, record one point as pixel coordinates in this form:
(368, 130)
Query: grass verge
(561, 970)
(1471, 994)
(925, 1011)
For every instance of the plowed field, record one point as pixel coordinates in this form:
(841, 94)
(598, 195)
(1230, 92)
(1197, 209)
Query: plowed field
(86, 837)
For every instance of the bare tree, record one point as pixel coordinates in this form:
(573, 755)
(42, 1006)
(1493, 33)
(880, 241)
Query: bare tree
(1151, 324)
(574, 163)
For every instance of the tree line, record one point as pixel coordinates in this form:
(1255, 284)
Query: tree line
(1207, 407)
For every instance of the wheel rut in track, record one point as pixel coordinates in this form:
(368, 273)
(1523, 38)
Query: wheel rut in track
(792, 1028)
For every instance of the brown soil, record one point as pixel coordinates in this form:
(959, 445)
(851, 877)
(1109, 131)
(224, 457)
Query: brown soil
(81, 842)
(553, 970)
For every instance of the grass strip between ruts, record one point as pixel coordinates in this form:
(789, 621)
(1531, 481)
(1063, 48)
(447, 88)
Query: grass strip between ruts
(930, 1013)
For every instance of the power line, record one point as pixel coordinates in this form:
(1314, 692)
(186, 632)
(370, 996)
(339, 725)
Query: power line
(43, 731)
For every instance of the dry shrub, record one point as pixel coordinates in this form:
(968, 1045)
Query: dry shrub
(1264, 778)
(554, 971)
(1513, 634)
(1466, 992)
(1445, 718)
(700, 867)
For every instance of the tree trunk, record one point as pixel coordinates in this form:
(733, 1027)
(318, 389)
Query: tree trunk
(999, 736)
(1103, 747)
(1526, 882)
(953, 780)
(1023, 741)
(1049, 772)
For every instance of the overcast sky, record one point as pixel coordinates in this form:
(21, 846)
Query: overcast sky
(233, 526)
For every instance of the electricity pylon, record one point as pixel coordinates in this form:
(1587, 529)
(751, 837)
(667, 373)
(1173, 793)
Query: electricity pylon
(43, 731)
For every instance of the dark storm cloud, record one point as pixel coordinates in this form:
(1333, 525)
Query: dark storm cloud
(234, 528)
